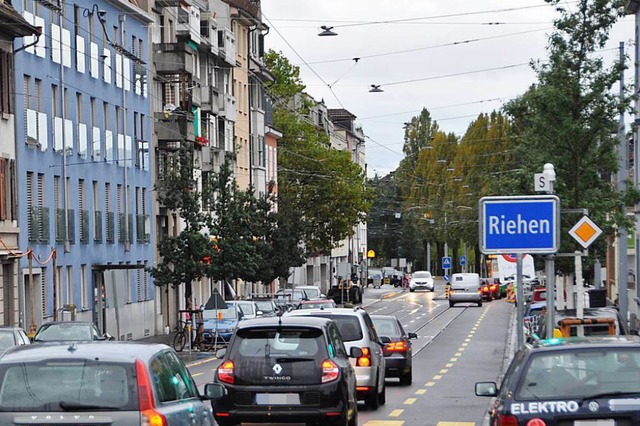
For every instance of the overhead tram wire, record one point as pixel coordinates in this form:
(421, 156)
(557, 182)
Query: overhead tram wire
(437, 107)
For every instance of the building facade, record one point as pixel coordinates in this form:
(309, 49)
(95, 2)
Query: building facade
(84, 171)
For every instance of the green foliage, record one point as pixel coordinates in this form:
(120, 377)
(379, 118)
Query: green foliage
(322, 186)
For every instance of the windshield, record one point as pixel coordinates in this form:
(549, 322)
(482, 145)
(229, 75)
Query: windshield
(59, 384)
(387, 327)
(246, 308)
(6, 339)
(312, 293)
(580, 374)
(422, 275)
(229, 313)
(64, 332)
(280, 343)
(349, 326)
(265, 305)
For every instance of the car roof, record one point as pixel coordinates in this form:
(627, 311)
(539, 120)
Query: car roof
(391, 317)
(602, 312)
(10, 327)
(67, 322)
(289, 321)
(336, 311)
(588, 342)
(239, 301)
(104, 351)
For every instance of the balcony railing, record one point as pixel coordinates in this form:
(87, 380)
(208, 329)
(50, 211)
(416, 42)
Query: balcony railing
(175, 126)
(174, 58)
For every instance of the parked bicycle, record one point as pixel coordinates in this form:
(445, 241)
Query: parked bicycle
(201, 341)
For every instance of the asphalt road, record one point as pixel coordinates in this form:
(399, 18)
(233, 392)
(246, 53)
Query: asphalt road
(456, 347)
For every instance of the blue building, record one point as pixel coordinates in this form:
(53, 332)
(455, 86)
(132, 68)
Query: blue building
(83, 165)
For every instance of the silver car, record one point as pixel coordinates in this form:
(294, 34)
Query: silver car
(422, 280)
(113, 383)
(357, 330)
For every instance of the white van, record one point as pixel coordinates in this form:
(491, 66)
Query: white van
(465, 287)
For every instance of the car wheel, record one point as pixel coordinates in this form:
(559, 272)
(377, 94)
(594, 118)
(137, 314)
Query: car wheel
(412, 290)
(451, 304)
(480, 304)
(372, 399)
(354, 417)
(406, 379)
(382, 397)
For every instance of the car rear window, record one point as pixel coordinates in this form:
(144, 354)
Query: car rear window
(387, 327)
(230, 313)
(264, 305)
(64, 332)
(280, 343)
(349, 326)
(6, 339)
(61, 385)
(312, 293)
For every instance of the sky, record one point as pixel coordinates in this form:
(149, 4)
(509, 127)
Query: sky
(457, 58)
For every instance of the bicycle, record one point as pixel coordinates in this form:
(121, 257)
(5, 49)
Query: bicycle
(201, 340)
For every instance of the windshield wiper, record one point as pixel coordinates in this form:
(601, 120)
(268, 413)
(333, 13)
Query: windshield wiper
(73, 406)
(609, 394)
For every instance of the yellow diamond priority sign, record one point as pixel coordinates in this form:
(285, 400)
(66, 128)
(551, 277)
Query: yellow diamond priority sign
(585, 231)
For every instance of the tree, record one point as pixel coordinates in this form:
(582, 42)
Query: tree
(322, 186)
(569, 117)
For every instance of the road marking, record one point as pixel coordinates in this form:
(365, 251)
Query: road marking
(458, 353)
(468, 339)
(384, 422)
(437, 377)
(444, 371)
(196, 374)
(429, 384)
(449, 365)
(410, 401)
(474, 328)
(396, 413)
(465, 344)
(421, 391)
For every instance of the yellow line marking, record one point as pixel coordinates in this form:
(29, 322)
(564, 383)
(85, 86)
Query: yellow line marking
(467, 340)
(454, 359)
(421, 391)
(429, 384)
(396, 413)
(474, 328)
(410, 401)
(455, 424)
(437, 377)
(458, 353)
(472, 332)
(384, 422)
(197, 374)
(449, 365)
(464, 345)
(444, 371)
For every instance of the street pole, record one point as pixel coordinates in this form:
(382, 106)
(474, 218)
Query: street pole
(623, 268)
(520, 302)
(579, 291)
(551, 297)
(636, 157)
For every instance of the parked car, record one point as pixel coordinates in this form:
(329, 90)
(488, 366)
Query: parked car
(490, 290)
(578, 381)
(248, 308)
(67, 331)
(12, 336)
(374, 277)
(539, 295)
(286, 369)
(79, 383)
(222, 322)
(465, 287)
(397, 350)
(422, 280)
(313, 292)
(266, 305)
(317, 304)
(290, 298)
(391, 275)
(357, 330)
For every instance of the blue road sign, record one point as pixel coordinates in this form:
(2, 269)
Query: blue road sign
(463, 260)
(446, 262)
(446, 277)
(526, 224)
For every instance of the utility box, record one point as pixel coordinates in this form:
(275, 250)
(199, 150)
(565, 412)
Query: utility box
(597, 298)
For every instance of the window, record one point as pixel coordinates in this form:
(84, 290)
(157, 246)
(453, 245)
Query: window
(6, 84)
(79, 114)
(55, 106)
(170, 378)
(69, 285)
(38, 103)
(84, 282)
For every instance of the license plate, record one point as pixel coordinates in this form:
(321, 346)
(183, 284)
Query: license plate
(277, 399)
(602, 422)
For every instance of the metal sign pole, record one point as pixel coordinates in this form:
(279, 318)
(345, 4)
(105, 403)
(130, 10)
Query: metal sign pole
(519, 301)
(551, 297)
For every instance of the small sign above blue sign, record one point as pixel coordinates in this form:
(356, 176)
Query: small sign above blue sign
(526, 224)
(446, 262)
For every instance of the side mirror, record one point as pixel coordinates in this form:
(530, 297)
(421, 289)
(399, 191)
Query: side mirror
(413, 336)
(259, 313)
(323, 296)
(385, 339)
(214, 391)
(220, 353)
(486, 389)
(355, 352)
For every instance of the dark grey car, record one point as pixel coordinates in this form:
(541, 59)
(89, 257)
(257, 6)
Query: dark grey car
(67, 331)
(106, 383)
(12, 336)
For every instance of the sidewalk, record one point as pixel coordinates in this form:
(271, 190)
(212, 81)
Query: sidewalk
(190, 358)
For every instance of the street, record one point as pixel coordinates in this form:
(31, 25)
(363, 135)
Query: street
(456, 347)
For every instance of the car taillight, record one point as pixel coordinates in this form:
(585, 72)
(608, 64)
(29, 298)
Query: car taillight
(330, 371)
(400, 346)
(225, 372)
(150, 417)
(507, 420)
(536, 422)
(365, 359)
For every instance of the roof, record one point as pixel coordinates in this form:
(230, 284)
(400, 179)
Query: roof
(335, 311)
(588, 342)
(340, 114)
(12, 23)
(290, 321)
(104, 351)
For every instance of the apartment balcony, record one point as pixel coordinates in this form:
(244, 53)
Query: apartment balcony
(172, 3)
(228, 108)
(174, 58)
(175, 126)
(209, 99)
(227, 46)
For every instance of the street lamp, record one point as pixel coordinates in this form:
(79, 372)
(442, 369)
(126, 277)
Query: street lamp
(326, 31)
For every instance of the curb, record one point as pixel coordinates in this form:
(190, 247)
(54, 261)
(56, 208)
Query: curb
(389, 295)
